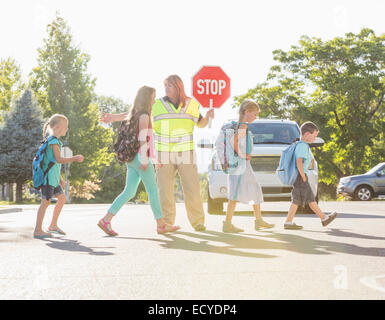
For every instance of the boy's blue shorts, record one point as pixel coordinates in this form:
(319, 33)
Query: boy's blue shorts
(48, 192)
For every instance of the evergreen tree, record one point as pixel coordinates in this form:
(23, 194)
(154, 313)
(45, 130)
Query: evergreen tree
(62, 85)
(20, 137)
(10, 87)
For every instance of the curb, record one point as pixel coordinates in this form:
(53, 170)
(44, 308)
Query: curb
(10, 210)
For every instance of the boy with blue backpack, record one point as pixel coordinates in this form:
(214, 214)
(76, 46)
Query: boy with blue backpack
(296, 173)
(46, 174)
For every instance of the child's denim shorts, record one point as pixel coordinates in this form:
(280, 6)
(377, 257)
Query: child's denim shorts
(302, 193)
(48, 192)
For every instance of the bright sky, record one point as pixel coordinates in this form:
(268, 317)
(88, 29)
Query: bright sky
(138, 42)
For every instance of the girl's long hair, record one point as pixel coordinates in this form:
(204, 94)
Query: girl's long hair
(142, 102)
(247, 104)
(177, 82)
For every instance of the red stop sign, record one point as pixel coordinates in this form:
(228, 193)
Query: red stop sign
(211, 86)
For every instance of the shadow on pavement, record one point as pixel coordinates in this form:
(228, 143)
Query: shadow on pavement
(305, 215)
(345, 234)
(251, 213)
(203, 246)
(73, 246)
(306, 245)
(14, 235)
(360, 216)
(281, 241)
(5, 230)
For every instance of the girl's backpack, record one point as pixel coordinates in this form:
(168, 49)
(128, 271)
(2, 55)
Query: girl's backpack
(227, 157)
(37, 165)
(287, 171)
(127, 144)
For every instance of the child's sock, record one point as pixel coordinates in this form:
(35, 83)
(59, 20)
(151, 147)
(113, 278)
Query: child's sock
(326, 217)
(290, 223)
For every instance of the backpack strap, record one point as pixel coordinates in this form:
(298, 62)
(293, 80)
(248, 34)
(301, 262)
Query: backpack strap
(50, 138)
(51, 163)
(298, 142)
(247, 133)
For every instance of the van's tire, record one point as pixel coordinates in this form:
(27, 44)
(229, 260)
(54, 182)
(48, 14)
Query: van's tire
(363, 193)
(214, 206)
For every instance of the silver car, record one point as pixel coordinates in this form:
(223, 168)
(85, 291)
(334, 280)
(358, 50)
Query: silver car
(364, 187)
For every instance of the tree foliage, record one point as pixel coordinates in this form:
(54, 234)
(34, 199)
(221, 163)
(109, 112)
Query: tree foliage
(10, 83)
(20, 137)
(339, 84)
(63, 85)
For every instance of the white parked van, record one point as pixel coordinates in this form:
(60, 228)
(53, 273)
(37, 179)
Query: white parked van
(270, 138)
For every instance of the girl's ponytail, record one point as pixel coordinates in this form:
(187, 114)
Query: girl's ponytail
(45, 129)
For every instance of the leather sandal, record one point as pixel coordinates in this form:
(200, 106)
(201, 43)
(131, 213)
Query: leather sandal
(106, 227)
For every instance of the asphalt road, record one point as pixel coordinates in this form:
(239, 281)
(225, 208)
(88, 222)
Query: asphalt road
(342, 261)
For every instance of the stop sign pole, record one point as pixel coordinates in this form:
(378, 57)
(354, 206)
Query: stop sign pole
(211, 87)
(66, 152)
(210, 108)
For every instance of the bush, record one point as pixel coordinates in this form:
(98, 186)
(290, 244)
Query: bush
(142, 196)
(327, 192)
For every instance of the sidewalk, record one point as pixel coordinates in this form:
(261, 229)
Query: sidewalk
(9, 209)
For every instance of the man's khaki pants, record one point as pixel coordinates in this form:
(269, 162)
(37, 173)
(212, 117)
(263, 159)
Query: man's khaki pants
(185, 164)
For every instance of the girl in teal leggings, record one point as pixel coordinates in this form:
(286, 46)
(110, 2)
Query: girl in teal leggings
(141, 168)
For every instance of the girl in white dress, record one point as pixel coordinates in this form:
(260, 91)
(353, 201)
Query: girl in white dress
(243, 186)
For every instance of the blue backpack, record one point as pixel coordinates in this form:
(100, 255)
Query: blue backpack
(227, 157)
(287, 171)
(37, 166)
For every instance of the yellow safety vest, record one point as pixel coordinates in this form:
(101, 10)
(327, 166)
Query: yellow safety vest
(173, 128)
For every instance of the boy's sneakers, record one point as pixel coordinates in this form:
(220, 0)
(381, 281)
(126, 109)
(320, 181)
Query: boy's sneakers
(260, 223)
(292, 226)
(329, 219)
(230, 228)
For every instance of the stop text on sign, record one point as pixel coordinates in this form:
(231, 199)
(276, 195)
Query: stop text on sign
(210, 86)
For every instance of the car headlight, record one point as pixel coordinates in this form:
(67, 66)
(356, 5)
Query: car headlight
(345, 181)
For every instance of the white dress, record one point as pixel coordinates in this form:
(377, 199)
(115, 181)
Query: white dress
(242, 184)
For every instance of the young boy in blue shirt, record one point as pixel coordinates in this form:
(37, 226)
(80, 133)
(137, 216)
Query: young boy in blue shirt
(302, 193)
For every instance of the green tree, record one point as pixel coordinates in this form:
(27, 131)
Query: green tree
(113, 176)
(63, 85)
(110, 104)
(20, 136)
(10, 83)
(339, 84)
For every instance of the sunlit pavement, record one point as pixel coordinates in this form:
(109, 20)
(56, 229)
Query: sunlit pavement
(342, 261)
